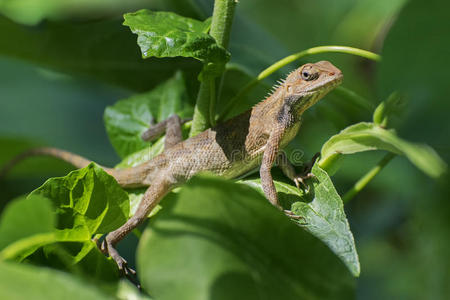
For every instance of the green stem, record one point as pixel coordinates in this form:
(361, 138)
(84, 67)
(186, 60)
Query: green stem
(291, 58)
(316, 50)
(200, 120)
(204, 111)
(212, 104)
(328, 162)
(361, 183)
(221, 21)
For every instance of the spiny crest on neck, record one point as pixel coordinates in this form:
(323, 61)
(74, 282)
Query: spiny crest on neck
(279, 84)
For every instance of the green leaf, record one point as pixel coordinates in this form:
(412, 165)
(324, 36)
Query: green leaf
(127, 291)
(127, 119)
(31, 13)
(143, 155)
(325, 218)
(58, 219)
(19, 281)
(166, 34)
(25, 225)
(136, 197)
(387, 109)
(56, 45)
(222, 240)
(322, 213)
(368, 136)
(87, 201)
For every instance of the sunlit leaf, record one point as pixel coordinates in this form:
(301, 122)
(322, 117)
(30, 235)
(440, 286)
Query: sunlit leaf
(369, 136)
(166, 34)
(322, 214)
(25, 225)
(65, 209)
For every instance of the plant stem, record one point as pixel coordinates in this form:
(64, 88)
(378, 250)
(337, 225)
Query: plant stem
(200, 120)
(212, 103)
(316, 50)
(361, 183)
(204, 111)
(221, 21)
(291, 58)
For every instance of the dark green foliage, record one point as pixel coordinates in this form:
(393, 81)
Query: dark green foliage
(217, 239)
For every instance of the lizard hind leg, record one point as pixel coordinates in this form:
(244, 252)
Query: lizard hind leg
(171, 126)
(151, 198)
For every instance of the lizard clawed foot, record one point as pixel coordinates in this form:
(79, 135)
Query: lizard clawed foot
(108, 249)
(295, 217)
(300, 179)
(291, 215)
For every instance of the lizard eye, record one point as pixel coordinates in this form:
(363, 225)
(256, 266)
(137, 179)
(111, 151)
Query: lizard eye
(308, 74)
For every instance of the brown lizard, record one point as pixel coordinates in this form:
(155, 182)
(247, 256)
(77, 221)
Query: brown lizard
(230, 149)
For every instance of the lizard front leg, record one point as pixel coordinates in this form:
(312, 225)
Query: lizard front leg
(269, 157)
(151, 198)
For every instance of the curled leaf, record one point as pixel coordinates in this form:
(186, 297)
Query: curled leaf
(369, 136)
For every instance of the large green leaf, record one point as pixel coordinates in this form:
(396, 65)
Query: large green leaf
(34, 11)
(222, 240)
(29, 282)
(166, 34)
(127, 119)
(102, 49)
(322, 213)
(88, 201)
(368, 136)
(25, 225)
(85, 202)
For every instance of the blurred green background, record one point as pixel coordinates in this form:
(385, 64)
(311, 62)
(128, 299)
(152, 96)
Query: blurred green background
(62, 62)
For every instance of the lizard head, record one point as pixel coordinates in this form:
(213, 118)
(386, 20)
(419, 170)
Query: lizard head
(309, 83)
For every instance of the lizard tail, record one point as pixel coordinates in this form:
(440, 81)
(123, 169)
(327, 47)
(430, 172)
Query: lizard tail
(73, 159)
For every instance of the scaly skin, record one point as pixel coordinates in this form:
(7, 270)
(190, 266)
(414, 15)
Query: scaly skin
(230, 149)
